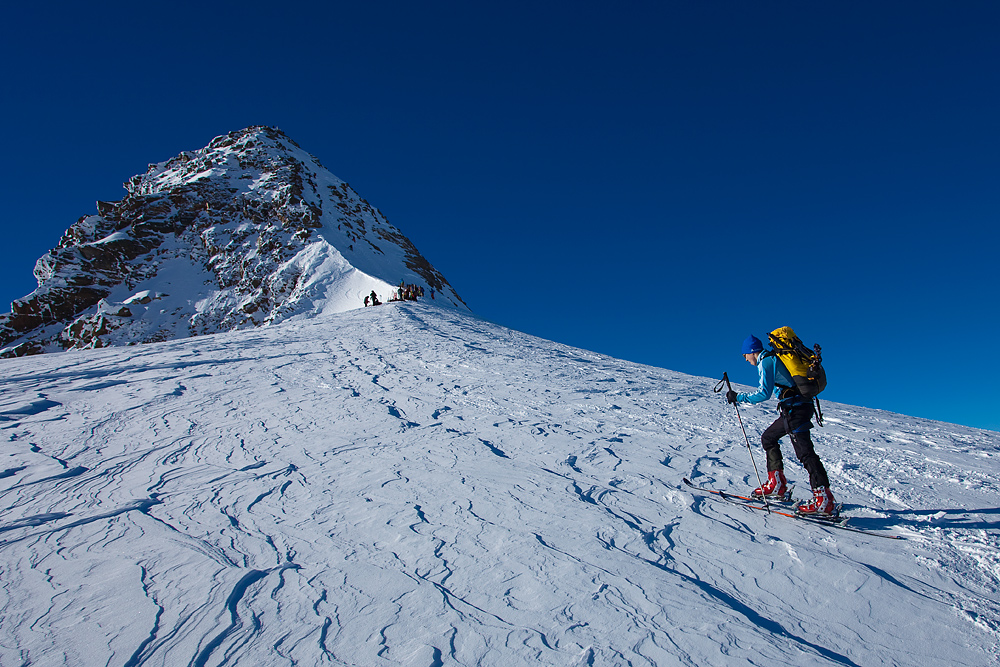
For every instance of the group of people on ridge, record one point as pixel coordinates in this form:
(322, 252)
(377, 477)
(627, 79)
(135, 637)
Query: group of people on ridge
(402, 293)
(408, 292)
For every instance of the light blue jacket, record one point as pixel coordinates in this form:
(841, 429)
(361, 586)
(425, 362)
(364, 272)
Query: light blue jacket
(773, 378)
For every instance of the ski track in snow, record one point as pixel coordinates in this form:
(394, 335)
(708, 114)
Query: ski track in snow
(405, 485)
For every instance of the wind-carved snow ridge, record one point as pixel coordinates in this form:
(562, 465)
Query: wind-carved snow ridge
(249, 231)
(408, 485)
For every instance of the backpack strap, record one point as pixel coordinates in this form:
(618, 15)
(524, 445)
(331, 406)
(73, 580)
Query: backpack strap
(788, 393)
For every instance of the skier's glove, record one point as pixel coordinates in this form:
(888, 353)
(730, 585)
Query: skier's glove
(731, 397)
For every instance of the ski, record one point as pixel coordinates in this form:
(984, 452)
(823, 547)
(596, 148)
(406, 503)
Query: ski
(743, 501)
(784, 499)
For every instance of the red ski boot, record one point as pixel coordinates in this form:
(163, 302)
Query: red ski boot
(822, 505)
(775, 486)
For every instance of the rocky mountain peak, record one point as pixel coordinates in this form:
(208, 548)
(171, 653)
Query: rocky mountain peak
(249, 231)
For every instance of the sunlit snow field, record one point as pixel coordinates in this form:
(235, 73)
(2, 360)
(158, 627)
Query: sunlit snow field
(406, 485)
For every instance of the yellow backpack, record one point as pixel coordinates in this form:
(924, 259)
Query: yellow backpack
(804, 365)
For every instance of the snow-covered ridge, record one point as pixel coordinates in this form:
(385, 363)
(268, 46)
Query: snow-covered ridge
(248, 231)
(409, 485)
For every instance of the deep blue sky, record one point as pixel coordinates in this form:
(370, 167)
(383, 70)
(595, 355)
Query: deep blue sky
(653, 181)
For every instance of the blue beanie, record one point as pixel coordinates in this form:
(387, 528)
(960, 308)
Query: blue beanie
(752, 344)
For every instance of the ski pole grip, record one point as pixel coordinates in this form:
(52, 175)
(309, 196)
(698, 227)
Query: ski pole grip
(725, 379)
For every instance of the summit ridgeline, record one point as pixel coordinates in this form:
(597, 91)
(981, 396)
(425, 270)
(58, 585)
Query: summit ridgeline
(249, 231)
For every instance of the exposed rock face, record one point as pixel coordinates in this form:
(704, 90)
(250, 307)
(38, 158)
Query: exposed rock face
(249, 231)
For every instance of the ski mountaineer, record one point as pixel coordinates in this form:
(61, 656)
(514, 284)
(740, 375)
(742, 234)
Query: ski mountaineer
(795, 420)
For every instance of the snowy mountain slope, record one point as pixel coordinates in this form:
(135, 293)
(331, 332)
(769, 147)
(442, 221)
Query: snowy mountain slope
(249, 231)
(408, 485)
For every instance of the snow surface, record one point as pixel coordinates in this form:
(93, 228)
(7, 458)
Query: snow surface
(409, 485)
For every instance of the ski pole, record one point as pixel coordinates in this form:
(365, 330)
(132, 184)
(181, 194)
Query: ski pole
(729, 387)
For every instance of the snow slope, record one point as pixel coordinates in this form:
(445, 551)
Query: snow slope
(409, 485)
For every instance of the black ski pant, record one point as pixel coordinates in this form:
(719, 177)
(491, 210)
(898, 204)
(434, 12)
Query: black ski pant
(795, 422)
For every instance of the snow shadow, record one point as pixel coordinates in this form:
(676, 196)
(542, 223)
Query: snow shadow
(123, 370)
(940, 518)
(33, 408)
